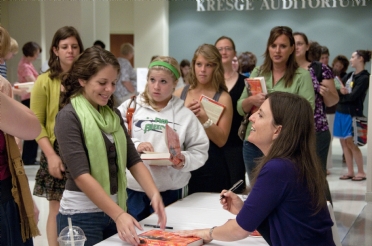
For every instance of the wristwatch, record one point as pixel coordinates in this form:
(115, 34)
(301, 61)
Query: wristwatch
(208, 123)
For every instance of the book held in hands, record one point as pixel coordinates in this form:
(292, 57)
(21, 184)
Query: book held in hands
(212, 108)
(167, 238)
(26, 85)
(163, 158)
(255, 86)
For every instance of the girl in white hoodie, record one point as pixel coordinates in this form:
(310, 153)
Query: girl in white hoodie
(155, 108)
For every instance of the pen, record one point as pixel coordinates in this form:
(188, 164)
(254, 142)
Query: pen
(236, 185)
(157, 226)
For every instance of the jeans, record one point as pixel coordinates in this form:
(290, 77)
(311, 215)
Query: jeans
(96, 226)
(250, 155)
(139, 204)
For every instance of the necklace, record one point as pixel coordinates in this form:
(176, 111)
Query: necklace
(231, 75)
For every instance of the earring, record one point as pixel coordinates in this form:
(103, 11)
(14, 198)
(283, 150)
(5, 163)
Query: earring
(57, 58)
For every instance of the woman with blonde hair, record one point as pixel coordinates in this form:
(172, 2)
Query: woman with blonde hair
(155, 108)
(207, 78)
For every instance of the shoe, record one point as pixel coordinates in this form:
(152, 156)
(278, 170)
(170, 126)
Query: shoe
(358, 178)
(345, 177)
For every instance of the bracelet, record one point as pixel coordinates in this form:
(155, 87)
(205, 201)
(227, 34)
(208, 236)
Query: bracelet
(117, 217)
(211, 231)
(208, 123)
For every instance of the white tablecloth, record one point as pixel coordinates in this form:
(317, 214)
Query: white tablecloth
(199, 210)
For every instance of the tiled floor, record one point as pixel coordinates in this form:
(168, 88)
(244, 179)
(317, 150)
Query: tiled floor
(352, 213)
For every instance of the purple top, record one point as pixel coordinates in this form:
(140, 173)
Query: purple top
(286, 204)
(320, 118)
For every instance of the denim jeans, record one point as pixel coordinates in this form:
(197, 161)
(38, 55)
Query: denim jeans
(250, 155)
(96, 226)
(139, 204)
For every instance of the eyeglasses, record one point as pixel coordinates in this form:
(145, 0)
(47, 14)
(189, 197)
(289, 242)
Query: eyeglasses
(227, 48)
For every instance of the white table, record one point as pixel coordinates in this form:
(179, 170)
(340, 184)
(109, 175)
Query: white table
(199, 210)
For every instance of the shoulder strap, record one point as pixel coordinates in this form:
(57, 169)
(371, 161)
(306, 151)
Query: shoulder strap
(318, 70)
(184, 92)
(130, 112)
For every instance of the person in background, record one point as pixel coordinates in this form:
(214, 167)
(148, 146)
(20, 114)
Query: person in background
(27, 73)
(185, 69)
(340, 65)
(324, 57)
(234, 81)
(99, 43)
(307, 57)
(155, 108)
(247, 62)
(18, 213)
(207, 78)
(281, 73)
(96, 150)
(352, 97)
(127, 85)
(50, 178)
(287, 203)
(12, 52)
(235, 64)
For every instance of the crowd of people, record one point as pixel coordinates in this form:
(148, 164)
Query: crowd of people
(92, 127)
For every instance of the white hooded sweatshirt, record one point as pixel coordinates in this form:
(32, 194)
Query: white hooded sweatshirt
(149, 126)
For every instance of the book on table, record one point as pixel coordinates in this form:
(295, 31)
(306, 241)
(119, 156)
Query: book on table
(255, 86)
(212, 108)
(26, 85)
(163, 158)
(167, 238)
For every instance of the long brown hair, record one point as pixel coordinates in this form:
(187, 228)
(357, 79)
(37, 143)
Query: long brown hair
(4, 42)
(61, 34)
(212, 55)
(292, 65)
(296, 142)
(88, 64)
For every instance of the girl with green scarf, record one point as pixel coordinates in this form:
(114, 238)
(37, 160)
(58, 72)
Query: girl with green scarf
(96, 150)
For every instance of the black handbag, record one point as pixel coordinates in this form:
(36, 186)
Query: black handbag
(243, 126)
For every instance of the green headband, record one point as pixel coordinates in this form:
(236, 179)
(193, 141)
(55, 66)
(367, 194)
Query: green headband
(167, 65)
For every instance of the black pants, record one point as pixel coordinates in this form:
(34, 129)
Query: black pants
(323, 141)
(30, 147)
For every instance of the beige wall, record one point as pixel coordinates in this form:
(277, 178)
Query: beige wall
(121, 17)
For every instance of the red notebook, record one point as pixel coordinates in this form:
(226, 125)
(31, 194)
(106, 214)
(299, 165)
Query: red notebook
(166, 238)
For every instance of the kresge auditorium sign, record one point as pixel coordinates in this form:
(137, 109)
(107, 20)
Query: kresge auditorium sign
(246, 5)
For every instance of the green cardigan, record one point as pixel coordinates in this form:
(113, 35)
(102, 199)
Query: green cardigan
(44, 103)
(302, 85)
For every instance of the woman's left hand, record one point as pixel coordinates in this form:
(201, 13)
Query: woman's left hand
(178, 161)
(323, 90)
(202, 233)
(158, 206)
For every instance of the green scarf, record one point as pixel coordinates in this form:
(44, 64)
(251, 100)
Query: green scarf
(93, 122)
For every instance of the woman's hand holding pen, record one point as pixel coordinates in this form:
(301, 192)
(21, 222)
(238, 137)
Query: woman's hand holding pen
(125, 225)
(231, 202)
(158, 206)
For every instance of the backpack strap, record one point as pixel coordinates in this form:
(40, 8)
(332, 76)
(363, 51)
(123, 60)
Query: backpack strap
(318, 70)
(130, 112)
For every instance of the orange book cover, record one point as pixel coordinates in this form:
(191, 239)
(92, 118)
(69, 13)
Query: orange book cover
(166, 238)
(255, 85)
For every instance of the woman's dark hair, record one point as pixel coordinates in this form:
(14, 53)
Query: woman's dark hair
(61, 34)
(344, 61)
(230, 39)
(30, 48)
(184, 63)
(100, 44)
(88, 64)
(296, 142)
(366, 54)
(212, 55)
(314, 53)
(306, 40)
(247, 61)
(324, 50)
(292, 65)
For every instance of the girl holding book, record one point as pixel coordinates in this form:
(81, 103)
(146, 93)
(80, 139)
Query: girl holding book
(287, 203)
(50, 178)
(96, 150)
(207, 78)
(281, 73)
(155, 108)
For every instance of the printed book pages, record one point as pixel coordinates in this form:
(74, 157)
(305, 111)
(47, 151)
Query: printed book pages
(166, 238)
(163, 158)
(26, 85)
(213, 108)
(255, 85)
